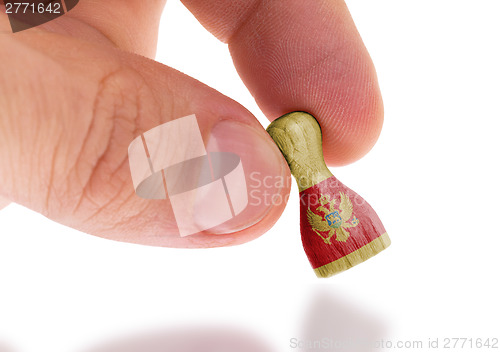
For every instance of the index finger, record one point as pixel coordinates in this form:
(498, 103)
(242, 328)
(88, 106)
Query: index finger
(303, 55)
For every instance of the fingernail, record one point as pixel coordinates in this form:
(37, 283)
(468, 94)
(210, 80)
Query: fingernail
(253, 175)
(226, 185)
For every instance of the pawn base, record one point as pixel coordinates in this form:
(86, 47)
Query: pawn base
(354, 258)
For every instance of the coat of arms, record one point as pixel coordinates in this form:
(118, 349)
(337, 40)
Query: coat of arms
(333, 221)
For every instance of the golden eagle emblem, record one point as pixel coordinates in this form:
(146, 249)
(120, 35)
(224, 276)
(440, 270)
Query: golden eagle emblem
(334, 221)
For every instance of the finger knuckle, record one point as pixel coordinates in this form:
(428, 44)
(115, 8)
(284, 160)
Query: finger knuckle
(101, 177)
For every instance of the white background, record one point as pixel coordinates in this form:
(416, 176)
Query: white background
(432, 178)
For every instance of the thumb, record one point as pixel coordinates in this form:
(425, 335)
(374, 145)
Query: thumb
(69, 110)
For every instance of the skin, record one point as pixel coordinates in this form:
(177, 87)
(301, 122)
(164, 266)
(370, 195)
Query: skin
(78, 89)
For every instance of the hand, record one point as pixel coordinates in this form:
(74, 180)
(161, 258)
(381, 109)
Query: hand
(76, 91)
